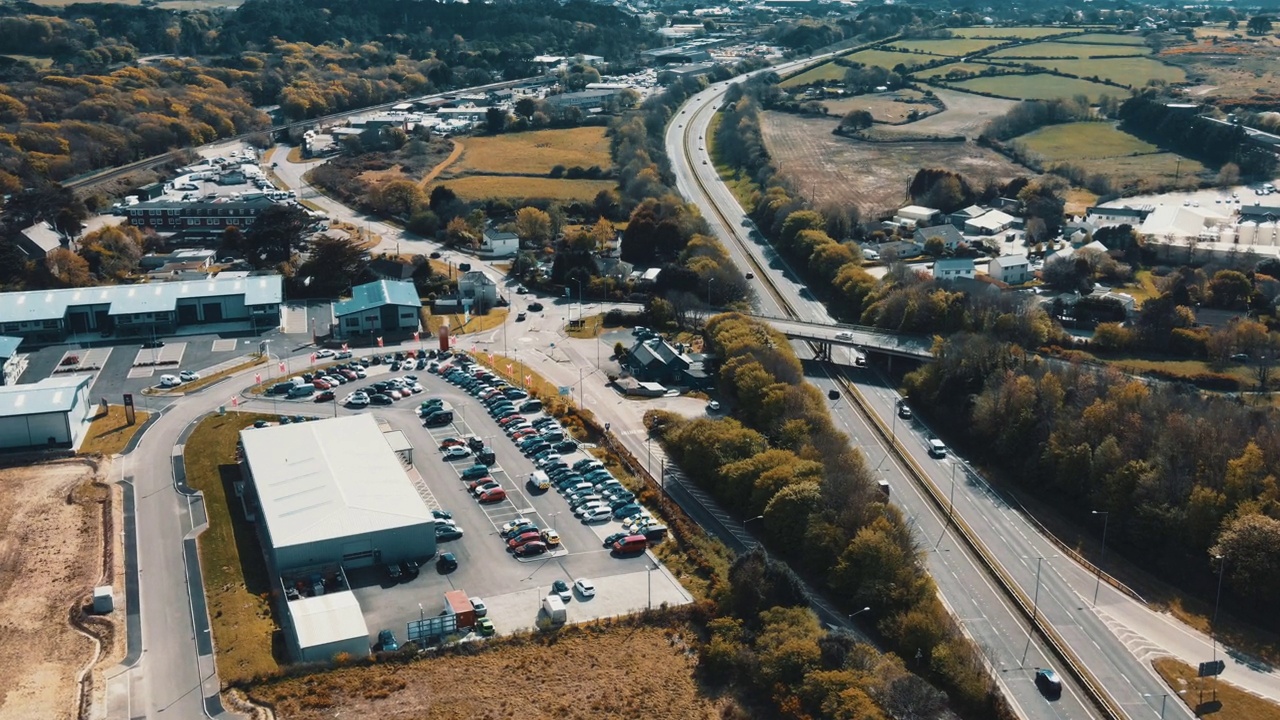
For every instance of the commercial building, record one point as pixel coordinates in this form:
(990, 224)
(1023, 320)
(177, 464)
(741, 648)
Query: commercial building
(39, 240)
(582, 99)
(149, 309)
(989, 223)
(378, 307)
(207, 215)
(54, 412)
(323, 627)
(333, 492)
(915, 215)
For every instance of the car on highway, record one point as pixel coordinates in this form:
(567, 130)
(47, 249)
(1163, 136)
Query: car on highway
(713, 406)
(188, 375)
(844, 335)
(585, 588)
(751, 276)
(1048, 682)
(904, 412)
(535, 307)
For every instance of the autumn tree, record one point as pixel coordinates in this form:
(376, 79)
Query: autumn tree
(1250, 546)
(112, 252)
(533, 226)
(66, 269)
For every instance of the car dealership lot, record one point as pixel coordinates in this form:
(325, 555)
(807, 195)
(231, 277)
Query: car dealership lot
(511, 587)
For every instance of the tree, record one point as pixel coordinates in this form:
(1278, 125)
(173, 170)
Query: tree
(1259, 25)
(459, 233)
(67, 269)
(274, 234)
(935, 246)
(112, 252)
(495, 120)
(856, 120)
(397, 198)
(1228, 175)
(334, 265)
(533, 225)
(525, 107)
(1250, 545)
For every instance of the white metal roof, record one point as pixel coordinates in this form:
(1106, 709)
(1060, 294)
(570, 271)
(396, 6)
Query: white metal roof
(329, 479)
(52, 304)
(53, 394)
(328, 618)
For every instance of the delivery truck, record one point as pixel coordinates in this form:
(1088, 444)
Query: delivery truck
(457, 603)
(553, 606)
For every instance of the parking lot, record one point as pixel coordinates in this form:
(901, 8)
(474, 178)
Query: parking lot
(511, 587)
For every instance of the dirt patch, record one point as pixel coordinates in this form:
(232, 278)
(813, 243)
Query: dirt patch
(966, 115)
(890, 107)
(873, 176)
(51, 538)
(587, 673)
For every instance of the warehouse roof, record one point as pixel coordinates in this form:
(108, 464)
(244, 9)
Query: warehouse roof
(9, 346)
(329, 618)
(34, 305)
(376, 294)
(329, 479)
(50, 395)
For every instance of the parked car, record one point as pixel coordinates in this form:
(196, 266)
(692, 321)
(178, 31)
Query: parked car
(168, 381)
(387, 641)
(561, 588)
(550, 537)
(530, 549)
(324, 396)
(485, 627)
(523, 538)
(410, 568)
(393, 572)
(492, 496)
(357, 399)
(447, 562)
(585, 588)
(513, 524)
(457, 452)
(480, 487)
(447, 532)
(475, 471)
(597, 515)
(478, 605)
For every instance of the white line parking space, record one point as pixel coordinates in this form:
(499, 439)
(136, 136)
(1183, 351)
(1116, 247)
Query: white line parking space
(224, 345)
(91, 359)
(170, 353)
(141, 372)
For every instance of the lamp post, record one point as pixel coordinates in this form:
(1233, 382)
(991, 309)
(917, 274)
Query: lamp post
(951, 504)
(648, 573)
(1106, 519)
(1163, 699)
(709, 279)
(856, 614)
(648, 455)
(1213, 626)
(662, 478)
(579, 281)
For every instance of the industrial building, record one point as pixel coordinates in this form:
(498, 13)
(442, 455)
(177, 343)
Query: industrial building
(55, 412)
(326, 626)
(378, 307)
(334, 492)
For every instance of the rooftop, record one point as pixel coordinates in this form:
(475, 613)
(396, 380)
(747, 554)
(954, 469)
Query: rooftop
(1009, 261)
(329, 479)
(9, 346)
(35, 305)
(953, 264)
(992, 219)
(376, 294)
(55, 394)
(327, 618)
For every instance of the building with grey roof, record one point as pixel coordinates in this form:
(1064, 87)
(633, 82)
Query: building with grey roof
(144, 310)
(11, 363)
(949, 235)
(53, 413)
(378, 307)
(334, 492)
(39, 240)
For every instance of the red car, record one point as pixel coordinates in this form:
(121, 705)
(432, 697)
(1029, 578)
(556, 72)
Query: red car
(523, 538)
(320, 384)
(529, 549)
(510, 419)
(450, 442)
(493, 496)
(523, 433)
(324, 396)
(349, 374)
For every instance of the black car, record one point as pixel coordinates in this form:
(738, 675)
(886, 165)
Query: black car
(609, 541)
(1048, 682)
(442, 514)
(394, 573)
(904, 412)
(535, 307)
(410, 568)
(447, 532)
(380, 399)
(447, 563)
(566, 447)
(153, 344)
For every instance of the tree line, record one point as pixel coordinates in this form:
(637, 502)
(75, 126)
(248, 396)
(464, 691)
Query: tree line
(780, 456)
(1213, 143)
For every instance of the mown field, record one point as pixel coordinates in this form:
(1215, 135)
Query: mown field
(973, 67)
(481, 187)
(888, 107)
(1131, 71)
(1072, 141)
(1054, 49)
(1021, 33)
(834, 71)
(1037, 87)
(956, 47)
(1106, 39)
(534, 152)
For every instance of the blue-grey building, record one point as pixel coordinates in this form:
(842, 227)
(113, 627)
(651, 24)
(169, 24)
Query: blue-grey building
(378, 307)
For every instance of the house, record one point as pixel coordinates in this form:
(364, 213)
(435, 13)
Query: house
(953, 268)
(613, 267)
(39, 240)
(656, 360)
(898, 249)
(960, 217)
(198, 256)
(989, 223)
(386, 269)
(1013, 206)
(178, 271)
(1010, 269)
(914, 215)
(211, 216)
(947, 233)
(1070, 251)
(1078, 232)
(1107, 216)
(477, 291)
(378, 307)
(11, 363)
(495, 244)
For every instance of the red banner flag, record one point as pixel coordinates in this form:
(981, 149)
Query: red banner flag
(235, 401)
(345, 348)
(282, 366)
(510, 367)
(528, 379)
(313, 358)
(453, 340)
(257, 378)
(379, 341)
(415, 336)
(490, 358)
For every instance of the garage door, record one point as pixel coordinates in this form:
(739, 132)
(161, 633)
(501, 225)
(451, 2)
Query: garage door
(357, 554)
(213, 312)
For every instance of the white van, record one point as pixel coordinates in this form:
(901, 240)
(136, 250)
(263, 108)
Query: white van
(168, 381)
(937, 448)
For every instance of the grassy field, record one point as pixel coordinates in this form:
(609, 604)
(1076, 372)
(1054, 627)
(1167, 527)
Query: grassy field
(459, 326)
(975, 68)
(40, 62)
(955, 47)
(1068, 50)
(576, 672)
(1144, 173)
(889, 107)
(480, 187)
(1037, 87)
(1232, 703)
(878, 58)
(1072, 141)
(1107, 39)
(1131, 71)
(825, 71)
(535, 152)
(109, 433)
(235, 576)
(740, 185)
(1012, 33)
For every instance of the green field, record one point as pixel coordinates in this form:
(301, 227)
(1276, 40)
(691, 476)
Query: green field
(1068, 50)
(1071, 141)
(1036, 87)
(833, 71)
(1131, 71)
(825, 71)
(1107, 39)
(976, 68)
(954, 47)
(1029, 33)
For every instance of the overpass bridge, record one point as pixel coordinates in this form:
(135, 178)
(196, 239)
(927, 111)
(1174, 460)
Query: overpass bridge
(825, 336)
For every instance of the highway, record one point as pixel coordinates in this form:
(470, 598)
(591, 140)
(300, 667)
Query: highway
(1063, 588)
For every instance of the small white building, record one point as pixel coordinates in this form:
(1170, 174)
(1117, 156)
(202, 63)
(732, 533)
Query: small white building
(954, 269)
(477, 291)
(989, 223)
(1010, 269)
(55, 412)
(324, 626)
(498, 244)
(913, 215)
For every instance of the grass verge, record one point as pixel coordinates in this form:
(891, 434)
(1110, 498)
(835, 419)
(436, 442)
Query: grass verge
(742, 187)
(592, 326)
(236, 583)
(110, 433)
(460, 325)
(1197, 693)
(205, 381)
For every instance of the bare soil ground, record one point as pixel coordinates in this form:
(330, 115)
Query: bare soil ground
(873, 176)
(620, 672)
(50, 558)
(890, 107)
(1238, 69)
(966, 115)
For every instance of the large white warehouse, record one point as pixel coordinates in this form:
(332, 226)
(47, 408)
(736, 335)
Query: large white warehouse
(334, 492)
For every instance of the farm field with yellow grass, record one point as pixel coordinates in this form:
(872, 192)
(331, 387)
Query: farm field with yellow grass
(948, 46)
(534, 152)
(481, 187)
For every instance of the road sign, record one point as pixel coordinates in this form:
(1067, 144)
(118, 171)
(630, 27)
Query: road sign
(565, 389)
(1209, 669)
(129, 416)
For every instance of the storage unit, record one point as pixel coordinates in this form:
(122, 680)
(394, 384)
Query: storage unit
(457, 603)
(55, 412)
(553, 606)
(324, 626)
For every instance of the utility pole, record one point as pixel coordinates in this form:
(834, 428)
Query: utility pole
(1106, 518)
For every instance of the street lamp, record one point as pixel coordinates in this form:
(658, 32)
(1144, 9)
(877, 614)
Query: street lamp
(750, 520)
(648, 455)
(1213, 626)
(856, 614)
(579, 281)
(951, 504)
(1106, 519)
(1163, 699)
(709, 279)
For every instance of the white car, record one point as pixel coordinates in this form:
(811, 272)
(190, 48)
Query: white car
(455, 452)
(584, 587)
(416, 388)
(188, 375)
(324, 353)
(168, 381)
(514, 524)
(598, 515)
(478, 605)
(357, 399)
(343, 355)
(360, 373)
(844, 336)
(713, 406)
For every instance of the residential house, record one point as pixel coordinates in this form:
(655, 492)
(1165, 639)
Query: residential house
(954, 268)
(1013, 206)
(378, 307)
(477, 292)
(198, 256)
(915, 215)
(899, 249)
(39, 240)
(950, 237)
(213, 216)
(612, 267)
(960, 217)
(1078, 232)
(989, 223)
(1010, 269)
(656, 360)
(1069, 251)
(496, 244)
